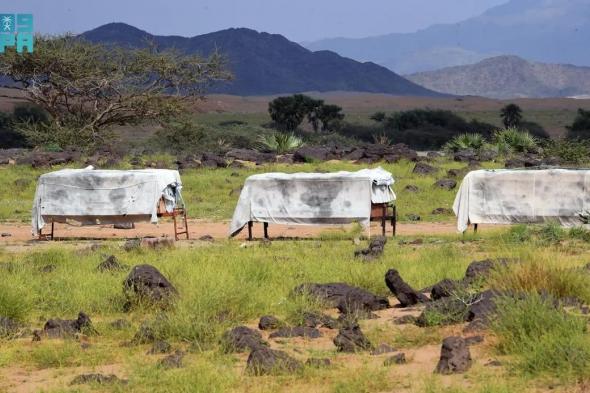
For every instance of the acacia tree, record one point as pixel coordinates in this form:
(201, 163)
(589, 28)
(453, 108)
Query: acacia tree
(511, 115)
(289, 112)
(88, 88)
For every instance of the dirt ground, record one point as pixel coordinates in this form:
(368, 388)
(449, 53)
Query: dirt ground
(21, 232)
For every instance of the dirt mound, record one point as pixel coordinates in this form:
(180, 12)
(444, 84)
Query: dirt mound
(454, 356)
(148, 284)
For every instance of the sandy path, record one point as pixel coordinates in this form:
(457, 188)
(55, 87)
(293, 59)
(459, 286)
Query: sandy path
(20, 232)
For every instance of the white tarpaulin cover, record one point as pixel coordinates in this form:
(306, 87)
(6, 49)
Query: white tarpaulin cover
(104, 196)
(522, 196)
(312, 198)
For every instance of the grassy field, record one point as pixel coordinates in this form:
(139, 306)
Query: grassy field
(223, 285)
(208, 192)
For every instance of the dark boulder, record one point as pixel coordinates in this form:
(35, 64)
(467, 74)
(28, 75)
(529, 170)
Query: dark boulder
(341, 294)
(148, 284)
(266, 361)
(314, 319)
(63, 328)
(211, 160)
(297, 331)
(351, 339)
(446, 184)
(310, 154)
(100, 379)
(465, 155)
(406, 295)
(444, 288)
(422, 168)
(268, 322)
(374, 250)
(455, 357)
(241, 339)
(111, 264)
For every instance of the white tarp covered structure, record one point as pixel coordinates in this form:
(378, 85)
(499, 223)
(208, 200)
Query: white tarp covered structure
(89, 196)
(312, 198)
(522, 196)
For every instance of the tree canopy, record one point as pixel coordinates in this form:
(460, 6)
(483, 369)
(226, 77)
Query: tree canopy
(89, 88)
(289, 112)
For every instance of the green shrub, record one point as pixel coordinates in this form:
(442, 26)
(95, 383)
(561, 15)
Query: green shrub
(518, 233)
(513, 140)
(551, 232)
(280, 143)
(542, 338)
(569, 151)
(465, 141)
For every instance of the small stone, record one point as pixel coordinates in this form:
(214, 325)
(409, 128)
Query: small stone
(268, 322)
(351, 339)
(100, 379)
(493, 363)
(6, 234)
(206, 238)
(442, 211)
(412, 188)
(399, 358)
(413, 217)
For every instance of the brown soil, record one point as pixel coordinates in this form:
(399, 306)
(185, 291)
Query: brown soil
(21, 232)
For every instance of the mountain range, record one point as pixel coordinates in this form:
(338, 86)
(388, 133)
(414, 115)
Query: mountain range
(508, 77)
(266, 64)
(550, 31)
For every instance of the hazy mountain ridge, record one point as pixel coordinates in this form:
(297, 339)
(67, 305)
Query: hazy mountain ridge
(265, 63)
(508, 77)
(552, 31)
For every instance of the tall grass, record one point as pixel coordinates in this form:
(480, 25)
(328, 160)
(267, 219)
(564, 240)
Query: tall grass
(542, 338)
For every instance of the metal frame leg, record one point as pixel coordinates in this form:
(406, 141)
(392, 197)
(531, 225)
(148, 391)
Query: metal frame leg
(265, 226)
(394, 220)
(250, 223)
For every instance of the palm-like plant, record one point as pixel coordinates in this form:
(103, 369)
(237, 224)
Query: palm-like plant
(465, 141)
(279, 142)
(513, 140)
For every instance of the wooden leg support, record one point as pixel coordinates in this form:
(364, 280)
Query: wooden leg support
(250, 223)
(474, 228)
(394, 220)
(265, 225)
(383, 219)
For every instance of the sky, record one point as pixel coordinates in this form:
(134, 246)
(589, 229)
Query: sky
(298, 20)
